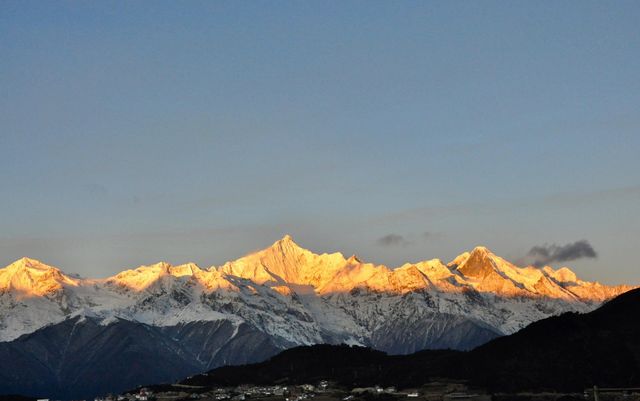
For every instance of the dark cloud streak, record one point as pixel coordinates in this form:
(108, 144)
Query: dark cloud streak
(542, 255)
(392, 240)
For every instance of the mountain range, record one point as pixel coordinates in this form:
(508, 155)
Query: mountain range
(165, 322)
(565, 353)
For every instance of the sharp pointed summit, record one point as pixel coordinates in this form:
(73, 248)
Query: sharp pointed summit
(285, 245)
(481, 249)
(286, 238)
(286, 262)
(479, 264)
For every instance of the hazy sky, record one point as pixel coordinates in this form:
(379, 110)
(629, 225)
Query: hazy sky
(133, 132)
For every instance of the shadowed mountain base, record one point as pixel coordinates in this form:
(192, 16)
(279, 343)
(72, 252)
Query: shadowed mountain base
(564, 353)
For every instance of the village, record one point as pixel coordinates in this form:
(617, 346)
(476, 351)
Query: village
(328, 391)
(321, 391)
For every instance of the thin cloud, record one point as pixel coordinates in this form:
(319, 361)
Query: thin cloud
(431, 235)
(559, 200)
(392, 240)
(542, 255)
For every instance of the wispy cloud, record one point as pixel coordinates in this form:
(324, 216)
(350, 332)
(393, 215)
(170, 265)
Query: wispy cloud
(431, 235)
(392, 240)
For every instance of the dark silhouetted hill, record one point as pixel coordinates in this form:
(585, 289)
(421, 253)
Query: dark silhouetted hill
(563, 353)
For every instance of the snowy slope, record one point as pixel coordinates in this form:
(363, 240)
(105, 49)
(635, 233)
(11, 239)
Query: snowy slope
(297, 297)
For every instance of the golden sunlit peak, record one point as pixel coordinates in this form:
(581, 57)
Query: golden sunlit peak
(164, 266)
(285, 244)
(29, 263)
(286, 239)
(32, 277)
(144, 276)
(161, 268)
(481, 249)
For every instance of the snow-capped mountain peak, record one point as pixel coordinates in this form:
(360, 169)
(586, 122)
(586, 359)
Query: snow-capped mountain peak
(30, 277)
(302, 297)
(286, 262)
(479, 264)
(562, 275)
(144, 276)
(458, 260)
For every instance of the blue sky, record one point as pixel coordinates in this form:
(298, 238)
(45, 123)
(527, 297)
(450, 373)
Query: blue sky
(132, 132)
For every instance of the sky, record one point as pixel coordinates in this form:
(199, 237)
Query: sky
(134, 132)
